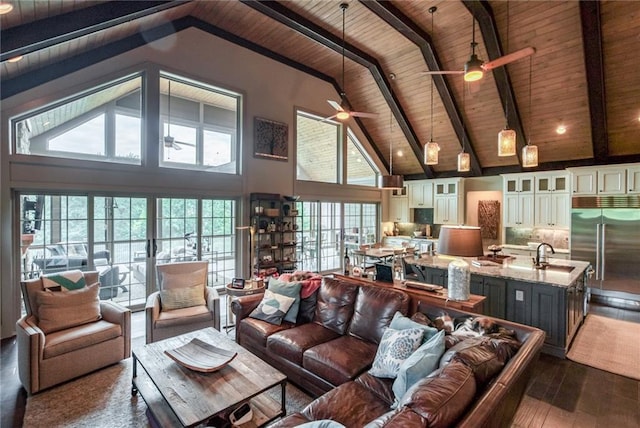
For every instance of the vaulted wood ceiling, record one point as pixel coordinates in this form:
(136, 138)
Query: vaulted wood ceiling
(583, 75)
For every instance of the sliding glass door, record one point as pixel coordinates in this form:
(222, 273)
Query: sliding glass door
(113, 235)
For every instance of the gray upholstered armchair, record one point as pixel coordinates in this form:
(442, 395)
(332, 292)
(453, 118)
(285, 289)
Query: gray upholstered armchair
(183, 303)
(68, 334)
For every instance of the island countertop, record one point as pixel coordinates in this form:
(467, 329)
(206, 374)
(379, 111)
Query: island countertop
(517, 268)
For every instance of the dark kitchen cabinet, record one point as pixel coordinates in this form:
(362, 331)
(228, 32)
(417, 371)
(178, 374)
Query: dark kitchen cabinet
(519, 302)
(547, 312)
(436, 276)
(494, 290)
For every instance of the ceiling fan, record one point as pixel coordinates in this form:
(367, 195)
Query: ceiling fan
(474, 68)
(341, 107)
(168, 140)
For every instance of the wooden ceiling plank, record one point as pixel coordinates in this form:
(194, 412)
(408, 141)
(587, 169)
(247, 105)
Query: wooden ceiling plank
(287, 17)
(483, 13)
(396, 19)
(594, 66)
(43, 33)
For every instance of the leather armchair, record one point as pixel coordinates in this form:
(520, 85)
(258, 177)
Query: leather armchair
(162, 324)
(47, 359)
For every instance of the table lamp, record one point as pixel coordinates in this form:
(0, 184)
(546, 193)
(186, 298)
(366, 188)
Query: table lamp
(459, 241)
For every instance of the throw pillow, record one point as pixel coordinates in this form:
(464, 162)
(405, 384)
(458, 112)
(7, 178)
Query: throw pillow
(184, 279)
(272, 308)
(62, 310)
(290, 289)
(419, 364)
(71, 280)
(185, 297)
(395, 347)
(322, 423)
(400, 322)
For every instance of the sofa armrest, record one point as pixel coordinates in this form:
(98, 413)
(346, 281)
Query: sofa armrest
(213, 304)
(242, 306)
(152, 312)
(120, 315)
(30, 352)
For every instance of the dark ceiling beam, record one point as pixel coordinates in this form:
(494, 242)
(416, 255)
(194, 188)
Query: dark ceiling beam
(594, 67)
(483, 13)
(48, 32)
(298, 23)
(401, 23)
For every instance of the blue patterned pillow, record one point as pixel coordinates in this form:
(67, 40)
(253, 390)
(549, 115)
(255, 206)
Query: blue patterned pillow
(395, 347)
(400, 322)
(291, 289)
(272, 308)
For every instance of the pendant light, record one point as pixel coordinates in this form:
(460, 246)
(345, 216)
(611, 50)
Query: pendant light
(530, 152)
(464, 160)
(507, 137)
(473, 68)
(391, 181)
(432, 148)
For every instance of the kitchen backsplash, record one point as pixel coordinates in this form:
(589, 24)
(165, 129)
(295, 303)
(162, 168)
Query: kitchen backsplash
(521, 236)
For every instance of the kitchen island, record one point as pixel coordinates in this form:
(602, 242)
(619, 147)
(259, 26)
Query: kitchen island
(551, 299)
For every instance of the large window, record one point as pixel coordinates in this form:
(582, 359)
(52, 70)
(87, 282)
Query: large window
(317, 149)
(199, 126)
(360, 168)
(101, 124)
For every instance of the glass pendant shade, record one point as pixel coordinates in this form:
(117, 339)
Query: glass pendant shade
(473, 69)
(392, 182)
(431, 150)
(464, 162)
(507, 142)
(529, 156)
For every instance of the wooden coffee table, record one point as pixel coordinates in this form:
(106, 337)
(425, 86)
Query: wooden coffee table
(177, 396)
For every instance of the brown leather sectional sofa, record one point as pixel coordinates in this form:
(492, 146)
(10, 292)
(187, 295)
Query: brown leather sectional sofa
(331, 355)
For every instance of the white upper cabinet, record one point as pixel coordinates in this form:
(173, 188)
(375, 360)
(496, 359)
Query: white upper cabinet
(448, 201)
(420, 194)
(557, 181)
(398, 209)
(518, 183)
(607, 180)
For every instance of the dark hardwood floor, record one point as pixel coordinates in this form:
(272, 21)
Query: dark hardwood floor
(561, 394)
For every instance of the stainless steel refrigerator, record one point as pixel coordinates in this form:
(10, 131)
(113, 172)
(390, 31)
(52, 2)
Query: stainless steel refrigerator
(608, 236)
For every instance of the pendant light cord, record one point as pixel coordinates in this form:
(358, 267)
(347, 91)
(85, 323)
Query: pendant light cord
(506, 101)
(344, 12)
(464, 133)
(169, 110)
(431, 138)
(530, 115)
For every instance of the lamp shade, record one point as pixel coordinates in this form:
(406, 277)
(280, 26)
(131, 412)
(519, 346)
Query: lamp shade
(392, 182)
(507, 142)
(529, 156)
(462, 241)
(464, 162)
(473, 69)
(431, 150)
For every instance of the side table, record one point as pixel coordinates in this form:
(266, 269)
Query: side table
(237, 292)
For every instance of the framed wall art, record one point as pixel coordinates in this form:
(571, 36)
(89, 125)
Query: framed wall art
(271, 139)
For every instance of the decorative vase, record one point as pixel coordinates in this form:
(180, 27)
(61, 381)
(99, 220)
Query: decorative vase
(459, 281)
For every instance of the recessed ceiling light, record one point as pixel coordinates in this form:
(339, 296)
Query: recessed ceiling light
(561, 129)
(15, 58)
(399, 153)
(5, 8)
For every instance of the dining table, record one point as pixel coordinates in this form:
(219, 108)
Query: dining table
(382, 253)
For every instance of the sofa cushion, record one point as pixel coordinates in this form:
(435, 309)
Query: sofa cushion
(257, 331)
(82, 336)
(182, 297)
(486, 356)
(65, 309)
(187, 278)
(191, 315)
(289, 289)
(399, 418)
(442, 397)
(307, 308)
(373, 311)
(419, 364)
(380, 386)
(323, 423)
(335, 304)
(350, 404)
(291, 344)
(272, 308)
(339, 360)
(395, 347)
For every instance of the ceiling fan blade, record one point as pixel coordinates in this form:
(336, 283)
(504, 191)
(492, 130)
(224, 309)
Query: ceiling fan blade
(184, 144)
(513, 56)
(442, 72)
(363, 114)
(175, 146)
(327, 119)
(335, 105)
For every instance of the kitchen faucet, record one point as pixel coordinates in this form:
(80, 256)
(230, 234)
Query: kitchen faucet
(543, 258)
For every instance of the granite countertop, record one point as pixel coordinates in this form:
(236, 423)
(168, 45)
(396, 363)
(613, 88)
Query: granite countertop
(518, 268)
(526, 247)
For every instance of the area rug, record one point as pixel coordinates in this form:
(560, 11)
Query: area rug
(608, 344)
(103, 399)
